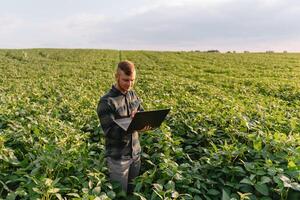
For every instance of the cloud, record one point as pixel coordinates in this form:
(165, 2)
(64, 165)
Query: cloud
(9, 23)
(195, 26)
(164, 25)
(71, 31)
(83, 21)
(77, 30)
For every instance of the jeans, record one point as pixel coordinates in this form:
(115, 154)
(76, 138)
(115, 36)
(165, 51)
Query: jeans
(124, 171)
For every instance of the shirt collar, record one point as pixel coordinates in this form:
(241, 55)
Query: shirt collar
(114, 89)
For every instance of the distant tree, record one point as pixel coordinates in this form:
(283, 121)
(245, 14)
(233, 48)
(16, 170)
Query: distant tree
(213, 51)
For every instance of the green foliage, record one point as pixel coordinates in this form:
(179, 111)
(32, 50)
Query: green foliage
(233, 131)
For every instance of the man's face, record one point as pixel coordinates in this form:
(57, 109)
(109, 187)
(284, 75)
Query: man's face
(125, 82)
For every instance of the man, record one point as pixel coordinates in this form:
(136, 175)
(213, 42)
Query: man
(122, 148)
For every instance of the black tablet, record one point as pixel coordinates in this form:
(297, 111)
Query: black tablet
(152, 118)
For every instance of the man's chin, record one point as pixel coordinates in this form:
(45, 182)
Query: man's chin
(125, 89)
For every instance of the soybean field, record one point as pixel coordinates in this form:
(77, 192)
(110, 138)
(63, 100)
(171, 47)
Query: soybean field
(233, 132)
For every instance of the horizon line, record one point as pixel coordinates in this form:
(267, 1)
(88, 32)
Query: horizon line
(158, 50)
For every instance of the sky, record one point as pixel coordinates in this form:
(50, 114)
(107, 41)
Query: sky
(176, 25)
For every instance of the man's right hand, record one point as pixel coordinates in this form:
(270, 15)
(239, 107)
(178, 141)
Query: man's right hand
(146, 128)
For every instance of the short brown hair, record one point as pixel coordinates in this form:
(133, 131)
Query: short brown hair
(127, 67)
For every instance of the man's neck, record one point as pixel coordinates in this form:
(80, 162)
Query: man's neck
(118, 88)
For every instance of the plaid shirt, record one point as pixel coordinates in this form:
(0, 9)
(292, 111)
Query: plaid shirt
(114, 105)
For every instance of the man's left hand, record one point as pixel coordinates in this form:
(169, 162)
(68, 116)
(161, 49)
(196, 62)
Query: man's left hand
(133, 113)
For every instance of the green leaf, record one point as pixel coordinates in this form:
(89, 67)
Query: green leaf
(21, 192)
(265, 179)
(170, 185)
(175, 195)
(293, 123)
(194, 190)
(140, 195)
(213, 192)
(85, 190)
(48, 181)
(257, 145)
(225, 195)
(36, 130)
(262, 188)
(243, 195)
(260, 172)
(197, 197)
(73, 195)
(158, 186)
(75, 178)
(279, 182)
(289, 184)
(249, 166)
(37, 190)
(111, 194)
(53, 190)
(292, 165)
(138, 186)
(246, 188)
(35, 171)
(156, 193)
(246, 181)
(5, 186)
(109, 185)
(102, 197)
(265, 198)
(97, 190)
(252, 176)
(90, 184)
(59, 196)
(11, 196)
(295, 186)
